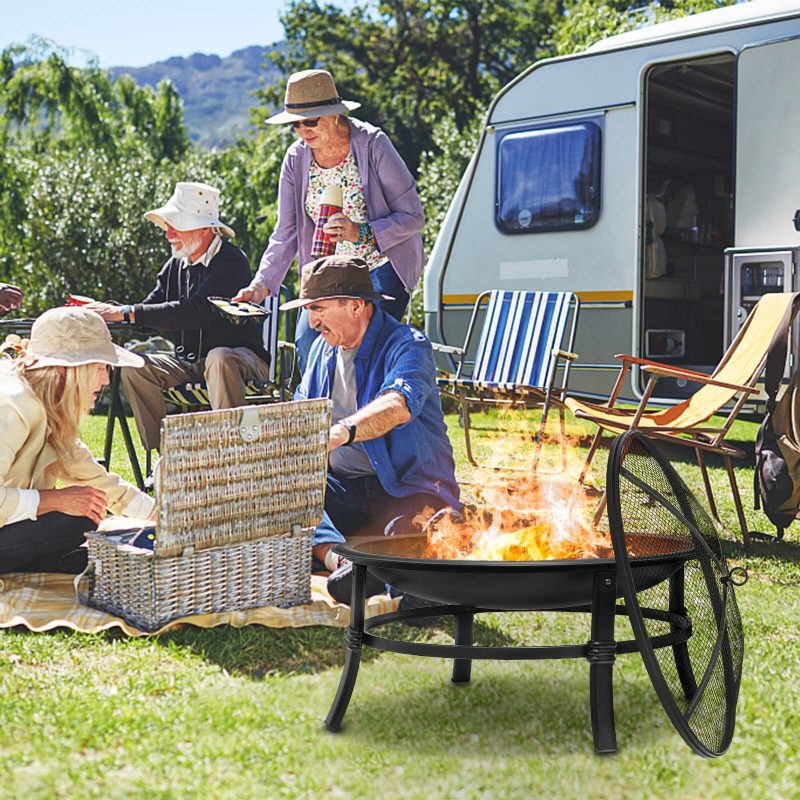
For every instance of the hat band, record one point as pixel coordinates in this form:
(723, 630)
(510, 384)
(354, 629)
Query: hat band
(332, 102)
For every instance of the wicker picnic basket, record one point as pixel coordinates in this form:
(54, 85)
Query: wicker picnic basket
(239, 494)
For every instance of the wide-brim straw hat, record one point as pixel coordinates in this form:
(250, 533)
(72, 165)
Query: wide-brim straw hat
(72, 336)
(311, 93)
(330, 277)
(192, 206)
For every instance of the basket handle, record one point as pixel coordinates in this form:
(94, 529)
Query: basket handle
(76, 581)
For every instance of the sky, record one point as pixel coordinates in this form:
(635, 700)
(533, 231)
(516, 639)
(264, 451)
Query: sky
(138, 32)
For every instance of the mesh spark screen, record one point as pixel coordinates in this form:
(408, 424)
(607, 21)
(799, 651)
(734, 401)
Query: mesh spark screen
(696, 680)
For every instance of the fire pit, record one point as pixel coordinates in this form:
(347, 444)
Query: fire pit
(697, 630)
(508, 585)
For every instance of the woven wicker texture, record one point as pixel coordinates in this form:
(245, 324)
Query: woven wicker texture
(240, 493)
(150, 591)
(216, 487)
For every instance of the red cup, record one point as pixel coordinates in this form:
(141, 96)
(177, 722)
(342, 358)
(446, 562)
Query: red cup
(323, 244)
(78, 300)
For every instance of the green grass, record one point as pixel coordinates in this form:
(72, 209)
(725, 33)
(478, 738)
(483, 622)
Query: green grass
(227, 713)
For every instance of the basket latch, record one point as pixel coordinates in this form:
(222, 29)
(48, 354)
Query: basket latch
(250, 424)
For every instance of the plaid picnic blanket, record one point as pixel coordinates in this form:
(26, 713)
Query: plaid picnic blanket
(42, 601)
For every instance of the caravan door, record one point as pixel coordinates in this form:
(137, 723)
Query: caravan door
(767, 188)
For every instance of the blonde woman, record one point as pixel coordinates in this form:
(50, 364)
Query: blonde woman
(43, 395)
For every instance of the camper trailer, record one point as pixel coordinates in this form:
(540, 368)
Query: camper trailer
(656, 175)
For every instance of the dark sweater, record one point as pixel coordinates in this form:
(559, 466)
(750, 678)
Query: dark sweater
(179, 304)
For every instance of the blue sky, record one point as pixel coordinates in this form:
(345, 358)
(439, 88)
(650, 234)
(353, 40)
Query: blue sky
(139, 32)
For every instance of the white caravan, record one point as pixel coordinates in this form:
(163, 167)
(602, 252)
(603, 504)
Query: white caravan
(656, 175)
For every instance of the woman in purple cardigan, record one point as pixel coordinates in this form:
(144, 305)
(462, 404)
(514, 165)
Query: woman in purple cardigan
(381, 219)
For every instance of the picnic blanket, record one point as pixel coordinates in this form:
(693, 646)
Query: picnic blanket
(42, 601)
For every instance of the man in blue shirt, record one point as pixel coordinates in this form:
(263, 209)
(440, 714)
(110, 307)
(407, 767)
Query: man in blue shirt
(390, 460)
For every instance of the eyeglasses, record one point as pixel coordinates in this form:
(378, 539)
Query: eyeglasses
(309, 123)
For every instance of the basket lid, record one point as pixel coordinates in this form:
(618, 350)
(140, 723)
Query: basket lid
(241, 474)
(688, 626)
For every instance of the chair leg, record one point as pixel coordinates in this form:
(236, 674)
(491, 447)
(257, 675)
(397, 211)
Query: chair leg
(590, 456)
(562, 425)
(467, 440)
(540, 435)
(738, 502)
(707, 483)
(601, 507)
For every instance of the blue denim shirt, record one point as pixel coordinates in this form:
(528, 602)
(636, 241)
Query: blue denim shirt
(415, 456)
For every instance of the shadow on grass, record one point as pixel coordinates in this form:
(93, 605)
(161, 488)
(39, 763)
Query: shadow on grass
(523, 712)
(258, 652)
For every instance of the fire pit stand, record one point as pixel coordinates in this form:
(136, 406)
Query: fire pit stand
(600, 651)
(668, 565)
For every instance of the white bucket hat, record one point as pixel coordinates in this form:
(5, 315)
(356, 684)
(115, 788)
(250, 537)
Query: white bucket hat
(72, 336)
(311, 93)
(192, 206)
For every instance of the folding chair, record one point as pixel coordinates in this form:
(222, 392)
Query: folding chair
(194, 396)
(523, 338)
(733, 381)
(281, 365)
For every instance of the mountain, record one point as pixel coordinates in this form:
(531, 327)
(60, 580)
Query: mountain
(216, 92)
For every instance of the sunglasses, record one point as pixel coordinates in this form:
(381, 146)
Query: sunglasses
(309, 123)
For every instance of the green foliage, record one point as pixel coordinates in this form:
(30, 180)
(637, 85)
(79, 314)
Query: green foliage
(412, 62)
(82, 158)
(586, 22)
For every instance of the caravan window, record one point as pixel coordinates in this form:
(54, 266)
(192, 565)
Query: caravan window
(548, 179)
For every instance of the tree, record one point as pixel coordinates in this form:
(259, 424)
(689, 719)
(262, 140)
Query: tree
(413, 62)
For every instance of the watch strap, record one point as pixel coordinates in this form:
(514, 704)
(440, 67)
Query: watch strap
(351, 431)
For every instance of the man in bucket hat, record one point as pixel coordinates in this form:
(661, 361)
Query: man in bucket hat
(207, 346)
(389, 456)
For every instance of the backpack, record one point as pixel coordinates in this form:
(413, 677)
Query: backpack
(777, 473)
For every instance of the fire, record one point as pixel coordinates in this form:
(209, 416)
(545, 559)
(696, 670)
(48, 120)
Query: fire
(540, 517)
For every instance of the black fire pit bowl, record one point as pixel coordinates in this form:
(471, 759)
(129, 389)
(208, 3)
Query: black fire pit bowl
(507, 585)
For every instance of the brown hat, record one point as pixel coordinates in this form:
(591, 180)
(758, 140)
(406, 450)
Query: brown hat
(334, 276)
(311, 93)
(71, 336)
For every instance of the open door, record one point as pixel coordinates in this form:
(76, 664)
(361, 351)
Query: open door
(767, 125)
(687, 210)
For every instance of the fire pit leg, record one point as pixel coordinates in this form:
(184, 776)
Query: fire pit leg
(600, 653)
(462, 667)
(353, 643)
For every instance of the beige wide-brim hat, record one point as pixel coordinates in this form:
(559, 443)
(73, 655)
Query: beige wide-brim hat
(311, 93)
(72, 336)
(192, 206)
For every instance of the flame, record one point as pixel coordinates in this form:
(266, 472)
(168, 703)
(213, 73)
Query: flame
(539, 517)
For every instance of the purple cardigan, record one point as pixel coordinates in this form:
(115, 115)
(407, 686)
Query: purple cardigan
(394, 209)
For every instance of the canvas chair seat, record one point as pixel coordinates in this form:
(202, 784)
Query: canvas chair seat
(524, 337)
(729, 386)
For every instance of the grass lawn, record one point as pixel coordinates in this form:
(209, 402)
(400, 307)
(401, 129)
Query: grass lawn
(227, 713)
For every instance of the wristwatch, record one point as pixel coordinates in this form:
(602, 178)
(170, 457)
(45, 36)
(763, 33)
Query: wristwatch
(351, 431)
(126, 313)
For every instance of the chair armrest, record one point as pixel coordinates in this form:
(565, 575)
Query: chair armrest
(671, 372)
(290, 346)
(565, 354)
(690, 374)
(447, 348)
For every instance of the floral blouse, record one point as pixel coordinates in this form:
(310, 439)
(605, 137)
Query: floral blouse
(354, 206)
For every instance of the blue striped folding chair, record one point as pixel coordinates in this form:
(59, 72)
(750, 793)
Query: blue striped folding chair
(524, 338)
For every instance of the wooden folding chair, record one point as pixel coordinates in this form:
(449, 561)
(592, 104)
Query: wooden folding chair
(523, 338)
(728, 387)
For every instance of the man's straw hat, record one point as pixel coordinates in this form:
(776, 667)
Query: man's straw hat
(311, 93)
(72, 336)
(192, 206)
